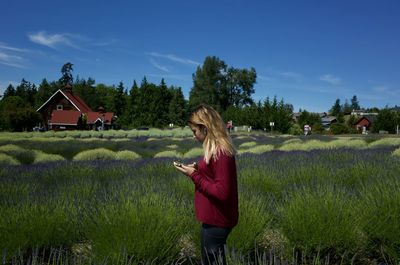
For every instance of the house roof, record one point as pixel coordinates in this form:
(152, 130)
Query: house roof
(75, 100)
(370, 118)
(65, 117)
(92, 117)
(328, 119)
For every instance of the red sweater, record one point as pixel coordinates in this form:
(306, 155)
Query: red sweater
(216, 192)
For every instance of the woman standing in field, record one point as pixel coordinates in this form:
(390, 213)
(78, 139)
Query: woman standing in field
(215, 180)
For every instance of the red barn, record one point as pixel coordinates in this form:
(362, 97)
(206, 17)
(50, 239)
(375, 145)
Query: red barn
(365, 123)
(67, 111)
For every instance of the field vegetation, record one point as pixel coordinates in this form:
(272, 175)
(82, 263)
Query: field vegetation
(114, 198)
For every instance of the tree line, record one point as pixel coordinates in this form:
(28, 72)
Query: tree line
(226, 88)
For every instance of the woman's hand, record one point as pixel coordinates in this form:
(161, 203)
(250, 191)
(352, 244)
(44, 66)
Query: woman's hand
(187, 169)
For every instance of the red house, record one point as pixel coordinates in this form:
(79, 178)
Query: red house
(67, 111)
(365, 123)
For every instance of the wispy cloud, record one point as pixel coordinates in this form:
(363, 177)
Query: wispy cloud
(291, 74)
(55, 40)
(158, 66)
(4, 46)
(264, 77)
(331, 79)
(380, 89)
(10, 56)
(174, 58)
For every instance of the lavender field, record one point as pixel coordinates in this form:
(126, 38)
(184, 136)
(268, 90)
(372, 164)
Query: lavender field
(118, 200)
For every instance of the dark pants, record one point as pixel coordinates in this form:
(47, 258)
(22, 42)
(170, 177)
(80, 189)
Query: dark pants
(213, 240)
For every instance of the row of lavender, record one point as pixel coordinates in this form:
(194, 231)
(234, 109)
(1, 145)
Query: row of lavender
(334, 205)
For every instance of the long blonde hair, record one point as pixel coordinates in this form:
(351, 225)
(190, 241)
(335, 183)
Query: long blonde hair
(217, 137)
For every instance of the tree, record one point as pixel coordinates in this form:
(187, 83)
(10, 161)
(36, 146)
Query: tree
(208, 82)
(44, 92)
(336, 108)
(132, 106)
(66, 71)
(239, 88)
(177, 107)
(337, 111)
(347, 109)
(221, 86)
(16, 115)
(354, 103)
(27, 92)
(119, 99)
(312, 119)
(386, 121)
(10, 91)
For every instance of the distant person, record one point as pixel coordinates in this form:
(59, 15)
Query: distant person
(215, 180)
(307, 129)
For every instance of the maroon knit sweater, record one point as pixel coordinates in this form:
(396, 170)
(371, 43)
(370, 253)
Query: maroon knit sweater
(216, 192)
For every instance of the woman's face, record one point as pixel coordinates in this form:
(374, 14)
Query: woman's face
(198, 133)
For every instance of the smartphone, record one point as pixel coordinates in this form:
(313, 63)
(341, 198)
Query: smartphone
(177, 164)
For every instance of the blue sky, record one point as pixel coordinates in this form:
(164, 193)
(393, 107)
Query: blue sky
(307, 52)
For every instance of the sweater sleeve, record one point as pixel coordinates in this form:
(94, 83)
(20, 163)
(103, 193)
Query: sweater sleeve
(221, 186)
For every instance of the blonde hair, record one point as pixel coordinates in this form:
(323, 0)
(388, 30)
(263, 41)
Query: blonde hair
(217, 137)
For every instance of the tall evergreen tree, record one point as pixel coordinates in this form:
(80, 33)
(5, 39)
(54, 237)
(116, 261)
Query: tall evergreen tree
(66, 71)
(119, 99)
(27, 92)
(355, 105)
(10, 91)
(336, 108)
(133, 107)
(45, 91)
(177, 107)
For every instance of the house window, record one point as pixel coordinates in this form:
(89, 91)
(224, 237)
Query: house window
(59, 107)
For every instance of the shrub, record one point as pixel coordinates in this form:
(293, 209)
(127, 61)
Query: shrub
(127, 155)
(258, 149)
(322, 221)
(22, 155)
(339, 128)
(194, 152)
(389, 141)
(295, 130)
(169, 153)
(11, 148)
(8, 160)
(380, 211)
(42, 157)
(248, 144)
(95, 154)
(396, 152)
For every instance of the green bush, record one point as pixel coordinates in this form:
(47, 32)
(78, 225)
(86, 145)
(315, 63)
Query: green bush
(339, 128)
(127, 155)
(41, 157)
(248, 144)
(295, 130)
(8, 160)
(194, 152)
(321, 221)
(379, 213)
(149, 226)
(396, 152)
(95, 154)
(20, 154)
(169, 153)
(259, 149)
